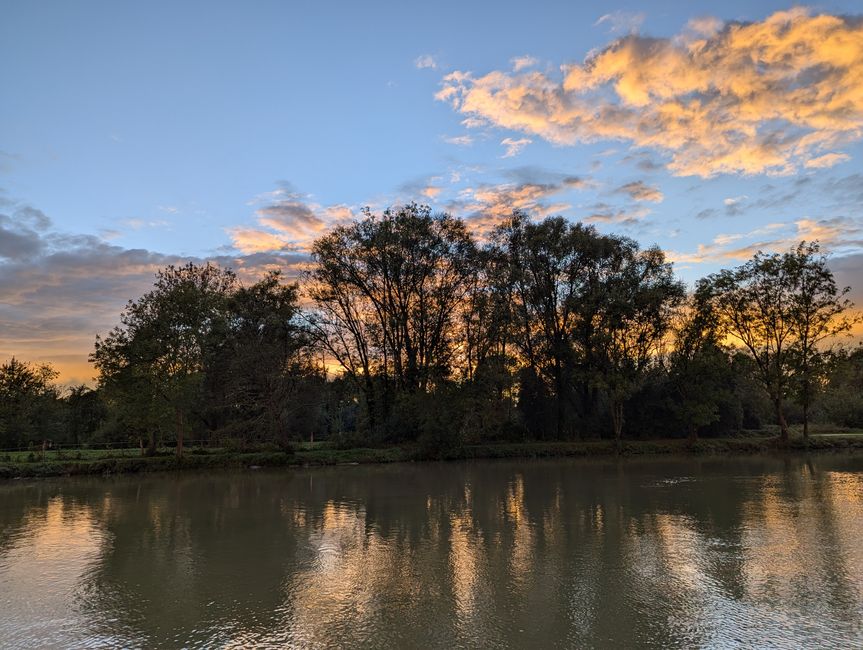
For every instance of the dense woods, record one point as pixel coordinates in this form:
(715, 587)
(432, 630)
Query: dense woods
(408, 329)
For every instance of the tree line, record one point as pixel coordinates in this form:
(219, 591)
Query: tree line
(406, 329)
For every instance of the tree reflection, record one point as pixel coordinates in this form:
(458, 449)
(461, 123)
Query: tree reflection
(629, 552)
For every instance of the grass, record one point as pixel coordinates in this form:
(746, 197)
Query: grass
(123, 461)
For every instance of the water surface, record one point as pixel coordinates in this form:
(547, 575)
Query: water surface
(555, 553)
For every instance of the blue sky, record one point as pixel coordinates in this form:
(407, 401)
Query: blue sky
(136, 134)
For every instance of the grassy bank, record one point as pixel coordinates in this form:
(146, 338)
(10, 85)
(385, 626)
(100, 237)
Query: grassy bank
(128, 461)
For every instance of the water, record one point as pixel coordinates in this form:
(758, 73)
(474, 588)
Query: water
(559, 553)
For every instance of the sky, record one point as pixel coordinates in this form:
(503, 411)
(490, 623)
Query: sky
(135, 135)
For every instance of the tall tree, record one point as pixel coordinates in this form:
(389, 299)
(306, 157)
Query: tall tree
(264, 363)
(157, 356)
(552, 270)
(387, 290)
(755, 304)
(817, 313)
(641, 296)
(698, 368)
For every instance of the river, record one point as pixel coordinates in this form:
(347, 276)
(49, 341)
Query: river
(688, 552)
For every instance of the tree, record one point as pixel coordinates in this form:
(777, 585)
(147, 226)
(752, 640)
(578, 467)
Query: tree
(387, 290)
(156, 358)
(85, 411)
(265, 372)
(817, 318)
(755, 304)
(641, 294)
(552, 272)
(29, 403)
(698, 369)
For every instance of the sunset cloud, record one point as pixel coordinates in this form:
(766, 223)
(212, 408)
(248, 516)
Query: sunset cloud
(641, 191)
(487, 204)
(519, 63)
(290, 221)
(842, 235)
(59, 290)
(513, 146)
(763, 97)
(827, 160)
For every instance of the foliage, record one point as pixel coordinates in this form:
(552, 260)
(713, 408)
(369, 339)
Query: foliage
(415, 334)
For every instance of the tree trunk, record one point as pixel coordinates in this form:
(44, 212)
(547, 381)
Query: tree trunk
(617, 422)
(151, 444)
(179, 433)
(560, 405)
(780, 419)
(806, 420)
(693, 433)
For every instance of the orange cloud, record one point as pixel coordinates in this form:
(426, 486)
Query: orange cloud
(744, 98)
(487, 204)
(840, 234)
(291, 222)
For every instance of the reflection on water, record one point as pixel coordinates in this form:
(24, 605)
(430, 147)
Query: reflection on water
(695, 552)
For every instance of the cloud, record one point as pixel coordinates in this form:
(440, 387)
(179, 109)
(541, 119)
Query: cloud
(459, 140)
(640, 191)
(58, 290)
(513, 147)
(532, 189)
(842, 235)
(519, 63)
(827, 160)
(762, 97)
(604, 213)
(621, 21)
(734, 205)
(289, 222)
(425, 61)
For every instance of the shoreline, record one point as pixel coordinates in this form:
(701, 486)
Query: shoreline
(328, 456)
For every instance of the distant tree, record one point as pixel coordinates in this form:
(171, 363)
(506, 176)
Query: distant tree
(30, 410)
(85, 411)
(842, 399)
(698, 368)
(817, 313)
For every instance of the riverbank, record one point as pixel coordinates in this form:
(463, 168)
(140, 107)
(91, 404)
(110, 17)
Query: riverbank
(109, 462)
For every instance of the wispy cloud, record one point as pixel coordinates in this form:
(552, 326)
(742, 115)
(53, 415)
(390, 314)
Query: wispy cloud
(621, 21)
(623, 216)
(641, 191)
(840, 234)
(514, 146)
(459, 140)
(764, 97)
(485, 205)
(827, 160)
(519, 63)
